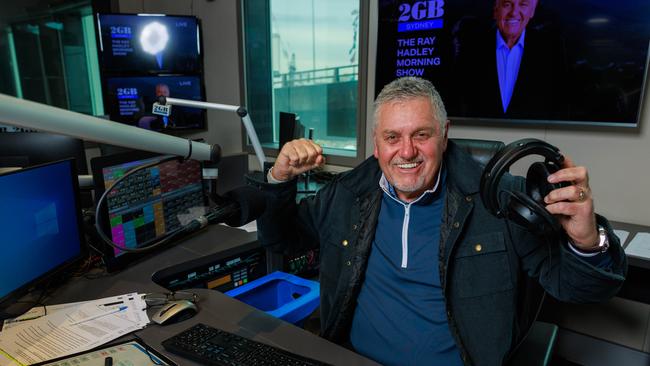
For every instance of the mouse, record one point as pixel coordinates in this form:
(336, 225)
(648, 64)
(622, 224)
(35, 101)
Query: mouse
(174, 312)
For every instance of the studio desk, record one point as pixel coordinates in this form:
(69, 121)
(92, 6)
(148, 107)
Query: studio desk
(215, 308)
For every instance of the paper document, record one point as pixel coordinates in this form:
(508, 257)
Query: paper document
(89, 312)
(37, 312)
(72, 328)
(5, 360)
(622, 235)
(251, 227)
(639, 246)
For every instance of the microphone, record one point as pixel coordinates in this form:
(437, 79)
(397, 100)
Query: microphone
(252, 204)
(242, 205)
(161, 108)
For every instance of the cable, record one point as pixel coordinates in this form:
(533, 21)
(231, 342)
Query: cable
(146, 348)
(99, 214)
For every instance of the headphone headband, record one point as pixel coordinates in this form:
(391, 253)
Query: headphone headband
(501, 162)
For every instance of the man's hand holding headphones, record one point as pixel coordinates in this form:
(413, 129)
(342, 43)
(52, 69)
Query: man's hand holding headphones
(574, 206)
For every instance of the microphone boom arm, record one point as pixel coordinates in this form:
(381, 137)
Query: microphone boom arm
(33, 115)
(241, 112)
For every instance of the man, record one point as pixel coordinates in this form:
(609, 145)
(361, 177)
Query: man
(162, 90)
(512, 17)
(414, 270)
(517, 72)
(157, 122)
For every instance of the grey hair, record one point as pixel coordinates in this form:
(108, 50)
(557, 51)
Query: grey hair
(407, 88)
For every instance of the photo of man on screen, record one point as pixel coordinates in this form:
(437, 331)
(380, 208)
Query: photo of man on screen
(517, 70)
(512, 17)
(162, 90)
(157, 122)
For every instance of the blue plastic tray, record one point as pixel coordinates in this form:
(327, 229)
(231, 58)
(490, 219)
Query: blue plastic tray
(280, 294)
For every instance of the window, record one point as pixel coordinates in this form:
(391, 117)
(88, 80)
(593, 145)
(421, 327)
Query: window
(303, 57)
(51, 58)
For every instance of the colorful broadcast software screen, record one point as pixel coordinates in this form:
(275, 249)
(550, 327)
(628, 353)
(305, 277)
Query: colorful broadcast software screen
(130, 100)
(40, 223)
(149, 43)
(153, 201)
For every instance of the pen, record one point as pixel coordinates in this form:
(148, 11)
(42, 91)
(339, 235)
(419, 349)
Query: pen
(117, 310)
(113, 303)
(25, 319)
(108, 361)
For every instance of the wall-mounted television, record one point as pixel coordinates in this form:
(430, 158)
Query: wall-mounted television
(149, 43)
(542, 62)
(130, 99)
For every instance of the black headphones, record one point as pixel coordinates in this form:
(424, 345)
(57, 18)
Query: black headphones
(526, 209)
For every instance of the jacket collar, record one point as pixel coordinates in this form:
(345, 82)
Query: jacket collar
(464, 172)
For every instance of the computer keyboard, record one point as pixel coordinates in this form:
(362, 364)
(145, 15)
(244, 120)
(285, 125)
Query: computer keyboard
(211, 346)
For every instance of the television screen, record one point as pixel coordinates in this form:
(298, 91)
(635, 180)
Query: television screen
(130, 99)
(131, 43)
(521, 61)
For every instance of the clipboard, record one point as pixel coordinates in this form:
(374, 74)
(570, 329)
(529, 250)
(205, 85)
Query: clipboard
(131, 352)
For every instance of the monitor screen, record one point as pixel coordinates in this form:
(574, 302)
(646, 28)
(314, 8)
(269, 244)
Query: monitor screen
(137, 44)
(130, 100)
(23, 149)
(553, 62)
(148, 204)
(40, 223)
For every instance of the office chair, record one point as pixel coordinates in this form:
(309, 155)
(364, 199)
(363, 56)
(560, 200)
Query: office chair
(540, 337)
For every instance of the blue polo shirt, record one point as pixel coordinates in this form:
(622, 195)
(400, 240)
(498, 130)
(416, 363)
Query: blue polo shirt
(400, 318)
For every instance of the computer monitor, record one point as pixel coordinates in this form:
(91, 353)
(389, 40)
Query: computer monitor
(130, 99)
(149, 44)
(147, 205)
(23, 149)
(40, 227)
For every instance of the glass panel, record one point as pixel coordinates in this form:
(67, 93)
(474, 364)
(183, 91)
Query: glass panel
(52, 59)
(7, 76)
(313, 71)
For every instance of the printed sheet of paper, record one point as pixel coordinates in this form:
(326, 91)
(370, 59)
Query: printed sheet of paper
(73, 328)
(622, 235)
(639, 246)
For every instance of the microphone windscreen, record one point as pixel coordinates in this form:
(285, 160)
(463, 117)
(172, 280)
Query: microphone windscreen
(252, 203)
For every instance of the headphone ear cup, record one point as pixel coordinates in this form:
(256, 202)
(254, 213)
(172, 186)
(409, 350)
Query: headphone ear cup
(537, 185)
(524, 211)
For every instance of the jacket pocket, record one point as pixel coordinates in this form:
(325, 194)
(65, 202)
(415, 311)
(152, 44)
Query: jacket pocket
(481, 266)
(332, 254)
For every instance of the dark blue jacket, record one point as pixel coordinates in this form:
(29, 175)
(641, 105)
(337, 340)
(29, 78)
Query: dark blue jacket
(489, 270)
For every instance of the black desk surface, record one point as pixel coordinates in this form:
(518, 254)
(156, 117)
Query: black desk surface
(216, 309)
(219, 310)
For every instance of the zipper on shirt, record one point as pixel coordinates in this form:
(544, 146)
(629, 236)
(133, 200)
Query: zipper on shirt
(405, 236)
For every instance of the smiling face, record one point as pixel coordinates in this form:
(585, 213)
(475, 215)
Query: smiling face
(512, 17)
(409, 145)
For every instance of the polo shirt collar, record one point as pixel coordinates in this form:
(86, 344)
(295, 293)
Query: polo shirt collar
(390, 190)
